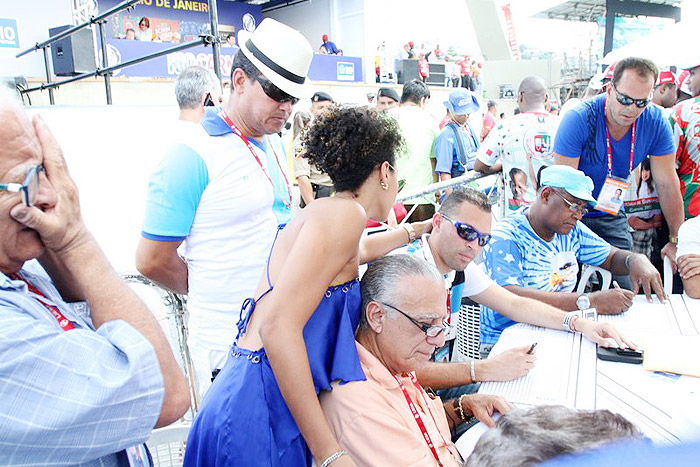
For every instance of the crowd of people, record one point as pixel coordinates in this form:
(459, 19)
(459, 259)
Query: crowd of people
(296, 358)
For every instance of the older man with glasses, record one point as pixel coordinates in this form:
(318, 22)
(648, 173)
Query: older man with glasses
(609, 135)
(85, 370)
(535, 253)
(224, 189)
(390, 419)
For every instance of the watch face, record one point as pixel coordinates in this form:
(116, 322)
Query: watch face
(582, 302)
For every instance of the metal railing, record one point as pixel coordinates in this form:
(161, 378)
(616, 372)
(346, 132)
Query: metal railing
(105, 70)
(469, 179)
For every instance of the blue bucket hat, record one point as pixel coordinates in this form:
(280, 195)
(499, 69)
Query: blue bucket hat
(573, 181)
(462, 102)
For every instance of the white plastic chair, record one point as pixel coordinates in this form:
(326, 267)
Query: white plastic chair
(587, 271)
(169, 310)
(167, 445)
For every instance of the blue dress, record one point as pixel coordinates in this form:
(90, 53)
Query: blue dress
(244, 420)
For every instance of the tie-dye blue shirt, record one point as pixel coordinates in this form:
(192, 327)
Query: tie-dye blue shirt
(516, 255)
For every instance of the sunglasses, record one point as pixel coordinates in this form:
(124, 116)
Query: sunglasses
(626, 100)
(29, 188)
(275, 93)
(575, 208)
(430, 330)
(469, 233)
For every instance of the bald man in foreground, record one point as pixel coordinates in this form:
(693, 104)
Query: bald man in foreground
(85, 370)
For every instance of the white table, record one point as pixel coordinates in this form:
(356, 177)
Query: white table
(665, 407)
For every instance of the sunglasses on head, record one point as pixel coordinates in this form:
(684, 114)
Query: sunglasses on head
(469, 233)
(626, 100)
(275, 93)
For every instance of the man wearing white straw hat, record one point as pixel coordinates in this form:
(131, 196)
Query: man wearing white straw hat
(224, 190)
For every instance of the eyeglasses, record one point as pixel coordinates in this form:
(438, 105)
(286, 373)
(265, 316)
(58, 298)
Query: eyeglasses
(575, 208)
(626, 100)
(208, 101)
(30, 187)
(469, 233)
(275, 93)
(429, 329)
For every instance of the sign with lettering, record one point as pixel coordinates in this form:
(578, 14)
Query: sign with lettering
(8, 33)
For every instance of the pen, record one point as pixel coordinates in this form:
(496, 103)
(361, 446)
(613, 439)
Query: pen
(532, 348)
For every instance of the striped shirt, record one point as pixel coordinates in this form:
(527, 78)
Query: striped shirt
(77, 397)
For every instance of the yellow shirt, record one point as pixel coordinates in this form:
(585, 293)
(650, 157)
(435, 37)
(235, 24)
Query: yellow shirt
(372, 421)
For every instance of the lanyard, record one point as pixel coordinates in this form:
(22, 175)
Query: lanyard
(234, 128)
(607, 141)
(417, 416)
(64, 322)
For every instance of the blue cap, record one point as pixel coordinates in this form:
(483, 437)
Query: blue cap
(462, 102)
(573, 181)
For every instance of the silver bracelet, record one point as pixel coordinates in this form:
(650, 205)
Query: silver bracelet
(333, 457)
(566, 322)
(472, 373)
(628, 260)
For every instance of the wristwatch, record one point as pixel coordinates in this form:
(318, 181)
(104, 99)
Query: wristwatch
(583, 302)
(672, 239)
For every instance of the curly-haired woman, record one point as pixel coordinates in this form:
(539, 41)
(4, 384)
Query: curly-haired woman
(297, 335)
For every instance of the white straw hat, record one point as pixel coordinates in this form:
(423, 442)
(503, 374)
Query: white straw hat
(282, 54)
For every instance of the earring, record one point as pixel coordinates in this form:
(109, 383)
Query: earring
(384, 185)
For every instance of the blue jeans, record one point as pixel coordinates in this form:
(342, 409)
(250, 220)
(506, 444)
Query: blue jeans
(614, 230)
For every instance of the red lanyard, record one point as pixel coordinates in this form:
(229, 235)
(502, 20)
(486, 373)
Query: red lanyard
(234, 128)
(417, 416)
(607, 140)
(64, 322)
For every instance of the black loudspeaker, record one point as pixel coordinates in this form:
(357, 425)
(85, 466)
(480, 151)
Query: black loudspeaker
(406, 70)
(74, 54)
(436, 74)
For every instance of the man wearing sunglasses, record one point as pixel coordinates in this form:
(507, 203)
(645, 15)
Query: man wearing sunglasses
(195, 89)
(609, 135)
(224, 190)
(460, 230)
(535, 253)
(86, 371)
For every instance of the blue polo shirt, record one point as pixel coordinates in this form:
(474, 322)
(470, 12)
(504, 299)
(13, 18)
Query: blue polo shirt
(582, 134)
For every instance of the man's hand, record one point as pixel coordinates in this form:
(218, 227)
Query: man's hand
(599, 332)
(511, 364)
(482, 406)
(689, 265)
(612, 301)
(670, 251)
(644, 273)
(60, 226)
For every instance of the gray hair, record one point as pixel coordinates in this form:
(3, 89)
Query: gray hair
(383, 280)
(191, 83)
(464, 195)
(525, 437)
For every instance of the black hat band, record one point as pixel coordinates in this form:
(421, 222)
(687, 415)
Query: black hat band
(272, 65)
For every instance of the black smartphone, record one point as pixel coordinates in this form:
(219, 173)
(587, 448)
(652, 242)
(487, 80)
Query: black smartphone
(620, 355)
